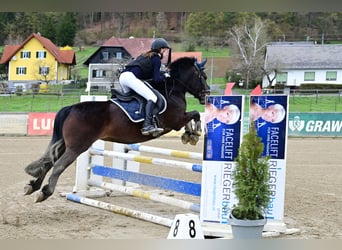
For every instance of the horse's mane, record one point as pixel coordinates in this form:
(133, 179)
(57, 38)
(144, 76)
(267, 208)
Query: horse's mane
(183, 63)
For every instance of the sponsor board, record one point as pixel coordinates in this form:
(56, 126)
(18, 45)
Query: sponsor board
(223, 125)
(270, 116)
(40, 123)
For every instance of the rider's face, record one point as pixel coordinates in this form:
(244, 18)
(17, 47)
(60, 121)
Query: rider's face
(162, 50)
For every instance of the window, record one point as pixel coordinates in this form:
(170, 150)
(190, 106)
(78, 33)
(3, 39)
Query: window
(98, 73)
(331, 75)
(118, 55)
(41, 54)
(21, 70)
(25, 54)
(309, 76)
(105, 56)
(281, 78)
(44, 70)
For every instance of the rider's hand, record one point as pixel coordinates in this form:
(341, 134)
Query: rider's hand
(167, 75)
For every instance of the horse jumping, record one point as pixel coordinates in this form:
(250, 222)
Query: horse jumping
(78, 126)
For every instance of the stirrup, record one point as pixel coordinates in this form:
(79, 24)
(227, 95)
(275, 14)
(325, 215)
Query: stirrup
(152, 130)
(148, 130)
(158, 132)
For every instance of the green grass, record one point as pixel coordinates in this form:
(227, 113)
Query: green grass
(81, 57)
(331, 103)
(37, 103)
(52, 103)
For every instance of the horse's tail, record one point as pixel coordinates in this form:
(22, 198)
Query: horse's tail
(58, 124)
(57, 142)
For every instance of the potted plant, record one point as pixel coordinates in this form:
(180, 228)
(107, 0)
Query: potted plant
(251, 188)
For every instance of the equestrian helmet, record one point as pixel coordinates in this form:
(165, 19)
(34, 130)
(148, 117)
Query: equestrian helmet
(159, 43)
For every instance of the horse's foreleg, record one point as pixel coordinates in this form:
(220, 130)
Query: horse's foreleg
(61, 164)
(188, 131)
(192, 132)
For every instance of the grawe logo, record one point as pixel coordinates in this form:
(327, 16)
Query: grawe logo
(296, 124)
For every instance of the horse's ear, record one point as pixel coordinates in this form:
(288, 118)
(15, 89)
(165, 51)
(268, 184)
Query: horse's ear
(201, 65)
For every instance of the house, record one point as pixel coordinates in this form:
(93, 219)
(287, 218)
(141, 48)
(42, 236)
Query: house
(300, 63)
(105, 63)
(37, 60)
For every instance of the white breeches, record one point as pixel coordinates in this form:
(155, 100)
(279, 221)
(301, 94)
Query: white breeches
(129, 81)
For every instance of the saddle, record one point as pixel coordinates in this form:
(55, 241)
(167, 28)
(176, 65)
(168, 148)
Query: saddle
(133, 105)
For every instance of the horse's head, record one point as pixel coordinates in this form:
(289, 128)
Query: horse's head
(190, 74)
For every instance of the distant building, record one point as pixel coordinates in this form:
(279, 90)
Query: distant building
(37, 60)
(300, 63)
(105, 63)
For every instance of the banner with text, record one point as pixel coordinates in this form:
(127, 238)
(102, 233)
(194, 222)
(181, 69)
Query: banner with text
(40, 123)
(270, 114)
(223, 135)
(315, 124)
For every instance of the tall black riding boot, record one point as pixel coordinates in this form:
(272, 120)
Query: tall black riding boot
(149, 127)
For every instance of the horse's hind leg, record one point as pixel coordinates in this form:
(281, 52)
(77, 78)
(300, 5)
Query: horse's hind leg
(35, 168)
(62, 163)
(41, 167)
(38, 169)
(35, 185)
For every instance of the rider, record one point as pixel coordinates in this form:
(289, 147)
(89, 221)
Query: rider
(144, 67)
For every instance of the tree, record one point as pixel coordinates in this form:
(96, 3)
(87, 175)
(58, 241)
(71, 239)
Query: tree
(249, 41)
(44, 72)
(49, 29)
(205, 26)
(66, 30)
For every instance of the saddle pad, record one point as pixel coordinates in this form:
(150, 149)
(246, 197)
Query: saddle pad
(133, 109)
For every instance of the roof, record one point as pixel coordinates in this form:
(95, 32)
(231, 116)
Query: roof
(303, 56)
(134, 46)
(62, 56)
(176, 55)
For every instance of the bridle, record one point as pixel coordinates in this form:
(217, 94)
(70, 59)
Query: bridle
(199, 91)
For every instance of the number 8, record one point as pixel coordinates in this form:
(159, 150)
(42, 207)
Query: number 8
(192, 231)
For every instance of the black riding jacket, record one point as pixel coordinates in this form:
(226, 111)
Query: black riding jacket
(146, 68)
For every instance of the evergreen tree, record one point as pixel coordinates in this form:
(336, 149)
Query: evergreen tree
(66, 29)
(49, 28)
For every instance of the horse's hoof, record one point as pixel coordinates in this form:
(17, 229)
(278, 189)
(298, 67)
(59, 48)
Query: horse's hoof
(185, 138)
(41, 197)
(28, 189)
(193, 140)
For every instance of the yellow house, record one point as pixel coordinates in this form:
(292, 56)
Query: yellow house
(37, 60)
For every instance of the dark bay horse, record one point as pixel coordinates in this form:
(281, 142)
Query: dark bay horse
(78, 126)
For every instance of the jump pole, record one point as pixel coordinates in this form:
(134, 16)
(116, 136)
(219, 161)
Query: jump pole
(149, 160)
(96, 179)
(147, 195)
(164, 151)
(120, 210)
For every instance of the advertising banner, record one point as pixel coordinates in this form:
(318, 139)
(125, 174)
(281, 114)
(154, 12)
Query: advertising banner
(223, 134)
(315, 124)
(270, 116)
(40, 123)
